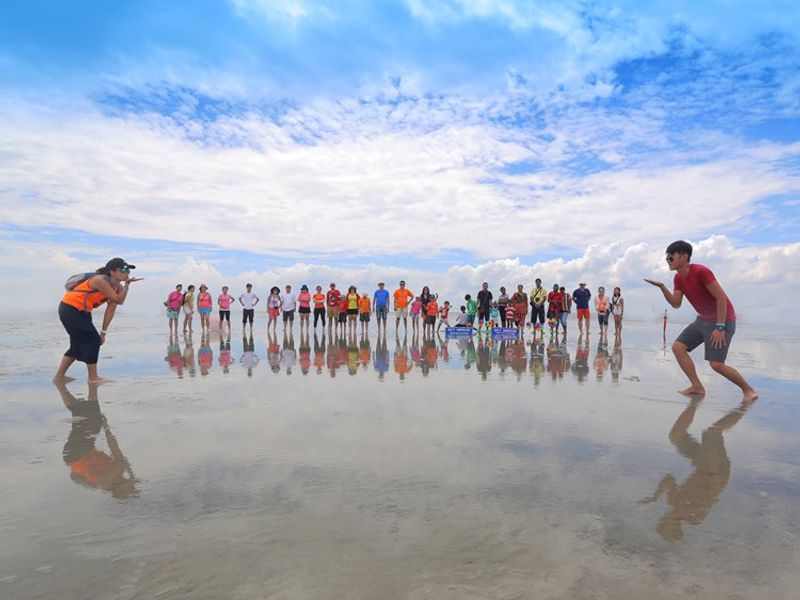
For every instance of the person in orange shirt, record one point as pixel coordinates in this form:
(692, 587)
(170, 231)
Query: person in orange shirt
(431, 312)
(363, 313)
(402, 297)
(108, 285)
(319, 306)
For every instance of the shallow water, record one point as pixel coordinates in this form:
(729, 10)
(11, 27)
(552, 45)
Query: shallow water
(395, 469)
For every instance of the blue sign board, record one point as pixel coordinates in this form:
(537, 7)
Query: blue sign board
(505, 333)
(458, 332)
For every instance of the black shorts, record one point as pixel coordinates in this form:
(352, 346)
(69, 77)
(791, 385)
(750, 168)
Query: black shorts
(483, 314)
(430, 320)
(84, 340)
(364, 317)
(700, 332)
(352, 311)
(602, 318)
(288, 315)
(304, 310)
(342, 317)
(225, 315)
(247, 315)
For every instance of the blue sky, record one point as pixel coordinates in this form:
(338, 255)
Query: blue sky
(247, 137)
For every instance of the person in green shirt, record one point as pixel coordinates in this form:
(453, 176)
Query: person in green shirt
(472, 309)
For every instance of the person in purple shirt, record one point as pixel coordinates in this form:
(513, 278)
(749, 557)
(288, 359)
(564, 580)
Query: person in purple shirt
(715, 323)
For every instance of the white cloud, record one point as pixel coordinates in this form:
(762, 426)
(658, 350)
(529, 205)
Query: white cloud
(749, 274)
(356, 179)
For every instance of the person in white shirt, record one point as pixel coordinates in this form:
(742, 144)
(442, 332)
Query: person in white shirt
(248, 300)
(288, 306)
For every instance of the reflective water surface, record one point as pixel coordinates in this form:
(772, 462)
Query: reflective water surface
(396, 466)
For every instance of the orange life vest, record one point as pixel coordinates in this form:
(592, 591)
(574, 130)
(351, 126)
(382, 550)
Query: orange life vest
(83, 297)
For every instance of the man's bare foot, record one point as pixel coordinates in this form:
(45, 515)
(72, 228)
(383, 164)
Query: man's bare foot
(99, 381)
(694, 390)
(62, 379)
(750, 395)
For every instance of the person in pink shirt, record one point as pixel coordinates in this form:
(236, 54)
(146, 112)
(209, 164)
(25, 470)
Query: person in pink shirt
(715, 323)
(173, 303)
(204, 306)
(224, 303)
(416, 308)
(304, 306)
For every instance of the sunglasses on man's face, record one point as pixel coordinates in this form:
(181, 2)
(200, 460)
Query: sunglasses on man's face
(670, 258)
(125, 269)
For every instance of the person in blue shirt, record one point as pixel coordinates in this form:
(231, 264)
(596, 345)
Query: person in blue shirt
(380, 302)
(581, 296)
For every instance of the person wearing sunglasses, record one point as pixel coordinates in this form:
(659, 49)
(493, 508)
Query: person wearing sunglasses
(715, 323)
(108, 285)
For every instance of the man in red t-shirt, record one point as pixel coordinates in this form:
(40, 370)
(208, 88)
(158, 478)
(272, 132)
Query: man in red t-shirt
(332, 298)
(715, 323)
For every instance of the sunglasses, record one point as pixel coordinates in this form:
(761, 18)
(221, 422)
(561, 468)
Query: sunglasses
(670, 258)
(125, 269)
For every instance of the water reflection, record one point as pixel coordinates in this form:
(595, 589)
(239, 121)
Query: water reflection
(411, 354)
(89, 466)
(691, 501)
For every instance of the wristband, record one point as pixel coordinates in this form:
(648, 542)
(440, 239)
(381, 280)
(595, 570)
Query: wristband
(720, 326)
(104, 332)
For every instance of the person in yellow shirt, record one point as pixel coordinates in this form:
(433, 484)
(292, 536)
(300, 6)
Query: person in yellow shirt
(352, 308)
(363, 313)
(402, 297)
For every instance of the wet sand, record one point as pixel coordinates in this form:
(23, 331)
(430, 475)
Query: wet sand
(396, 469)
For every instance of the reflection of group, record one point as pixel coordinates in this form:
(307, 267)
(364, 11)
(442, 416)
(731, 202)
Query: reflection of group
(335, 352)
(88, 466)
(691, 501)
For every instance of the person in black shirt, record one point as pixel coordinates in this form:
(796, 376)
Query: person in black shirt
(484, 303)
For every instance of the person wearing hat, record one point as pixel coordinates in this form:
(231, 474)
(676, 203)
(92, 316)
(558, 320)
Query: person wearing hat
(304, 306)
(581, 296)
(108, 285)
(204, 306)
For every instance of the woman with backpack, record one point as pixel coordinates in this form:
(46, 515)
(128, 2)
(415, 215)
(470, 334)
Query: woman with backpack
(86, 292)
(173, 303)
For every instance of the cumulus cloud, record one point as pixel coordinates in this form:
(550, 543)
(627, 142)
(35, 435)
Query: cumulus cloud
(747, 273)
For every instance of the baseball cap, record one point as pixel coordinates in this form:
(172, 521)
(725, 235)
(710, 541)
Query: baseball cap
(118, 263)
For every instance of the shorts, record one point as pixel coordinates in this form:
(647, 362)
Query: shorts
(381, 312)
(342, 317)
(304, 310)
(483, 314)
(430, 320)
(288, 315)
(84, 341)
(333, 312)
(470, 318)
(700, 332)
(364, 317)
(172, 314)
(564, 316)
(204, 311)
(402, 312)
(225, 315)
(583, 313)
(247, 315)
(602, 318)
(274, 312)
(188, 311)
(352, 311)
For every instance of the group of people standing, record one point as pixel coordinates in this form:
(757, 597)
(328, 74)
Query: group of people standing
(348, 310)
(713, 328)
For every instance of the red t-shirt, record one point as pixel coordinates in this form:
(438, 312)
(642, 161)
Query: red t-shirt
(695, 287)
(556, 301)
(333, 297)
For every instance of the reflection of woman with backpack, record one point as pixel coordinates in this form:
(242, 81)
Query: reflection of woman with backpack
(85, 292)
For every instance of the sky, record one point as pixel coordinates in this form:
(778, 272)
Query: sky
(445, 142)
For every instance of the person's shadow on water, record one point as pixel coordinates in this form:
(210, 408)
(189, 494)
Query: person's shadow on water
(89, 466)
(691, 501)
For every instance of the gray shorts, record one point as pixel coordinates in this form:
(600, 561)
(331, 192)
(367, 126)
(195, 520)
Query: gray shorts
(700, 332)
(381, 312)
